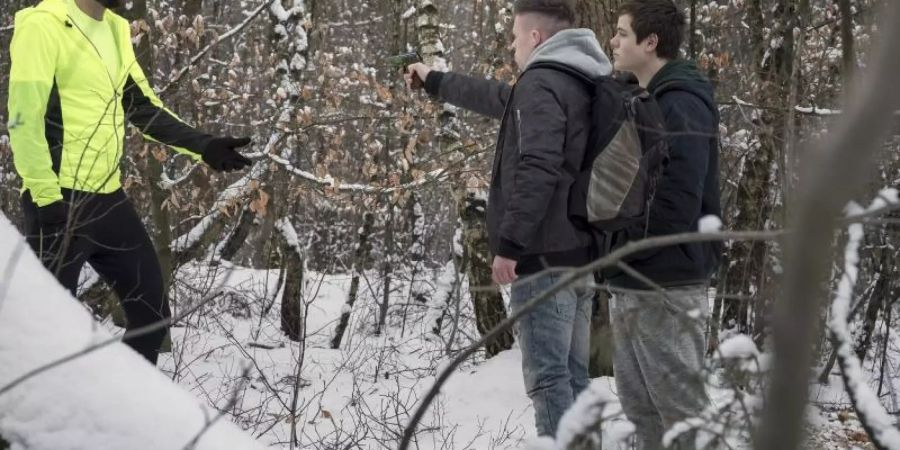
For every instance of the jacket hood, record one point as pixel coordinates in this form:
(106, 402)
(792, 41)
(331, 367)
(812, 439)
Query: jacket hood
(682, 75)
(575, 47)
(58, 9)
(55, 8)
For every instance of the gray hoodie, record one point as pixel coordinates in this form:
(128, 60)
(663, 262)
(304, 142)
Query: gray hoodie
(545, 122)
(575, 47)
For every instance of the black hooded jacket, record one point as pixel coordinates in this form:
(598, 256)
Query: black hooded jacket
(689, 187)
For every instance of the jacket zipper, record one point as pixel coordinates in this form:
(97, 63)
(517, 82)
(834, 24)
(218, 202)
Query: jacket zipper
(115, 93)
(112, 83)
(519, 128)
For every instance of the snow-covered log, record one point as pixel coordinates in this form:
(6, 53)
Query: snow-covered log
(108, 398)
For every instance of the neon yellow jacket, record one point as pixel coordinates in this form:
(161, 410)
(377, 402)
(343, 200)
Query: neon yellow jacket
(67, 114)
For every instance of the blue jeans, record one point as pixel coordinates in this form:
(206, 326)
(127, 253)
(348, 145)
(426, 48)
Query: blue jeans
(555, 340)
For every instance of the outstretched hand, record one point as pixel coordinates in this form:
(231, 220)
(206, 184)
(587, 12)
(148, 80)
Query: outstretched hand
(415, 75)
(221, 155)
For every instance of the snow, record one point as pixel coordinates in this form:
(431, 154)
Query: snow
(709, 224)
(738, 347)
(817, 111)
(287, 230)
(109, 398)
(408, 13)
(596, 404)
(282, 14)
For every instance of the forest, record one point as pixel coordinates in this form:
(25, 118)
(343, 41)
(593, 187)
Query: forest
(337, 293)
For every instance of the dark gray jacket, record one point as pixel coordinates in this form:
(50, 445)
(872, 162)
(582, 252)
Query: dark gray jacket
(545, 122)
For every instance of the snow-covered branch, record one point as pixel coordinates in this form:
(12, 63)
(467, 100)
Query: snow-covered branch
(328, 181)
(875, 419)
(806, 110)
(289, 233)
(236, 190)
(582, 422)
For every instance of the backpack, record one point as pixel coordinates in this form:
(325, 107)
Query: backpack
(627, 151)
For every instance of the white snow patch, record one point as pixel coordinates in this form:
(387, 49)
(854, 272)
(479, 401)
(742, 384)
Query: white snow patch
(110, 398)
(738, 347)
(709, 224)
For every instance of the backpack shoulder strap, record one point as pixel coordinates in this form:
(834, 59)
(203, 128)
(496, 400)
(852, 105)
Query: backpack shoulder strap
(560, 67)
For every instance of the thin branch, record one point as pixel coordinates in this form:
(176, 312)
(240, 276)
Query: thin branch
(166, 183)
(435, 176)
(196, 58)
(235, 396)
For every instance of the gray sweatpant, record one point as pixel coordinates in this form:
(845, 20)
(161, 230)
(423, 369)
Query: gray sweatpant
(658, 358)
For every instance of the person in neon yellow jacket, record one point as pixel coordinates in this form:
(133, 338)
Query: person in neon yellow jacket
(73, 84)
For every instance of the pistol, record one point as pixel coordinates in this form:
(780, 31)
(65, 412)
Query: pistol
(402, 61)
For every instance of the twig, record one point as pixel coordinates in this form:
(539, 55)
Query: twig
(231, 402)
(196, 58)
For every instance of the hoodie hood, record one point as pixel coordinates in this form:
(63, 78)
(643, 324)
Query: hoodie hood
(682, 75)
(575, 47)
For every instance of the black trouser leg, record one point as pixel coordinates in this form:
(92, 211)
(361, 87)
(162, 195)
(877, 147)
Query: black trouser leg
(110, 236)
(126, 259)
(48, 248)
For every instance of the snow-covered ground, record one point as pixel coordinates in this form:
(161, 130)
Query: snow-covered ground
(230, 359)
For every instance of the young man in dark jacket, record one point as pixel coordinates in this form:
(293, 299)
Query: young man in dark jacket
(658, 356)
(545, 120)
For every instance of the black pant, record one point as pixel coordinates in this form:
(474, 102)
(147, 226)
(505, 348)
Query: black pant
(107, 233)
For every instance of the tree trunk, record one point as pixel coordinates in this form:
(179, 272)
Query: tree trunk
(386, 269)
(292, 298)
(238, 235)
(746, 274)
(881, 296)
(359, 260)
(600, 363)
(847, 40)
(489, 307)
(602, 16)
(693, 40)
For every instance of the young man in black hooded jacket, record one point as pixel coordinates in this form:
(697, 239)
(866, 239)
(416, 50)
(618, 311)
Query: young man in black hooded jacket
(659, 339)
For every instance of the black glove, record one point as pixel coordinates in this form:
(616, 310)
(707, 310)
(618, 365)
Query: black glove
(52, 218)
(221, 155)
(51, 232)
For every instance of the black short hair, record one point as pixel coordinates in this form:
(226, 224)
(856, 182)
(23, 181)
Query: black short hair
(561, 10)
(659, 17)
